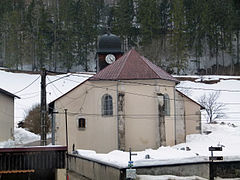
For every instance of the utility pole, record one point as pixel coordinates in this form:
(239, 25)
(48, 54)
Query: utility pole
(43, 113)
(66, 122)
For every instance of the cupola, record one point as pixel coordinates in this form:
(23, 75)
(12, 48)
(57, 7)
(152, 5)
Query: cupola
(109, 49)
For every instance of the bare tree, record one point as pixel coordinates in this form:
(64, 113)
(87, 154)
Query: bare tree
(32, 121)
(213, 108)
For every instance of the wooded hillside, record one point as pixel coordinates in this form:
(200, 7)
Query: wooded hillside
(62, 33)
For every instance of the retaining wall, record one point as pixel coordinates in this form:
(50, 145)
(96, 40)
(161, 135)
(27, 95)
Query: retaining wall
(81, 168)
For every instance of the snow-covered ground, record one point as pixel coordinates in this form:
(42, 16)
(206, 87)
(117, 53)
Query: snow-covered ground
(21, 136)
(27, 87)
(194, 150)
(227, 135)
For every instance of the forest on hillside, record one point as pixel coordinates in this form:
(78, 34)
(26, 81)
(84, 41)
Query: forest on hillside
(62, 33)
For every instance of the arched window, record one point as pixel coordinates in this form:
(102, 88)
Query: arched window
(166, 105)
(107, 105)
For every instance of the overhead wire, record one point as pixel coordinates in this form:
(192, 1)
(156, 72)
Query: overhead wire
(168, 118)
(27, 86)
(139, 94)
(133, 93)
(58, 79)
(149, 84)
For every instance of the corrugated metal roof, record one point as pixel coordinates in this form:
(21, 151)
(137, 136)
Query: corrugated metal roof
(132, 66)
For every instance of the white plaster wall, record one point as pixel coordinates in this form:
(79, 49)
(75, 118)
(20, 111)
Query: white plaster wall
(192, 117)
(85, 101)
(101, 132)
(6, 117)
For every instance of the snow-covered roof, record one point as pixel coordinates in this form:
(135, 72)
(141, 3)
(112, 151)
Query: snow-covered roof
(8, 93)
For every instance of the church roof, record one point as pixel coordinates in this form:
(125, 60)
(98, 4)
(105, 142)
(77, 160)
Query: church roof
(132, 66)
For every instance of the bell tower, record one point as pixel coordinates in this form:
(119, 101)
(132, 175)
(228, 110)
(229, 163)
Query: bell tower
(109, 50)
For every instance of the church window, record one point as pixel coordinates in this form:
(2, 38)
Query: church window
(107, 105)
(166, 105)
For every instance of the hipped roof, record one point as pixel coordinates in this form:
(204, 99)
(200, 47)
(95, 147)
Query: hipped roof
(132, 66)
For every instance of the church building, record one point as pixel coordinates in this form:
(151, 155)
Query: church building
(128, 103)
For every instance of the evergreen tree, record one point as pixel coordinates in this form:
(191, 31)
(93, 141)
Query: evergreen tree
(178, 37)
(236, 26)
(124, 22)
(148, 18)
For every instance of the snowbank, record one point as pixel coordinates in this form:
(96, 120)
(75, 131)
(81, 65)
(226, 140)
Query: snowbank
(21, 136)
(194, 150)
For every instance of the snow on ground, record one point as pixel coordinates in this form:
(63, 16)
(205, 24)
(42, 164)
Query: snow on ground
(27, 87)
(229, 93)
(225, 135)
(164, 155)
(21, 136)
(194, 150)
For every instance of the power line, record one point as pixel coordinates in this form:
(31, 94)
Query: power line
(71, 74)
(27, 85)
(58, 79)
(151, 96)
(31, 97)
(207, 89)
(139, 83)
(141, 115)
(138, 94)
(29, 93)
(104, 87)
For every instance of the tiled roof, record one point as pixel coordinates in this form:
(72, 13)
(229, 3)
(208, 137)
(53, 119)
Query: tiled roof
(132, 66)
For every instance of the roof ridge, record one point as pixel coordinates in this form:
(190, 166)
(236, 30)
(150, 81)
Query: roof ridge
(167, 76)
(145, 61)
(124, 63)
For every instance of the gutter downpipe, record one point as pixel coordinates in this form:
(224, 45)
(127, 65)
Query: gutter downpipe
(118, 137)
(175, 118)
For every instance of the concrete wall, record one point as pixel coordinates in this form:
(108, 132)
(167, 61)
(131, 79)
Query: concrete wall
(200, 169)
(83, 169)
(6, 117)
(101, 133)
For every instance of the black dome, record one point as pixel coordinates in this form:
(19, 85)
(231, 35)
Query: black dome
(109, 43)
